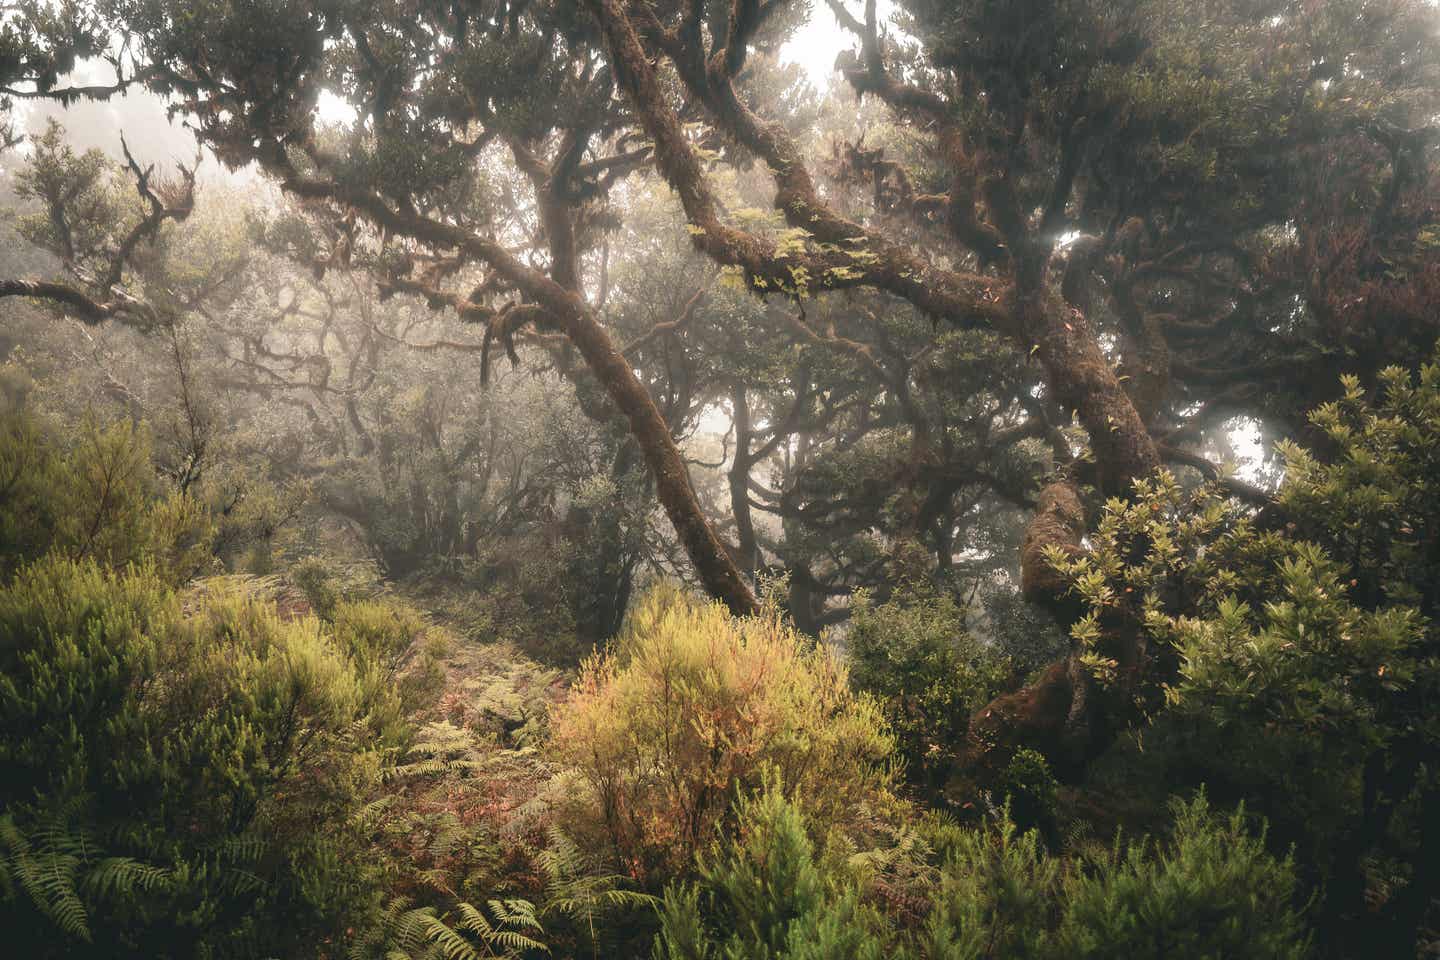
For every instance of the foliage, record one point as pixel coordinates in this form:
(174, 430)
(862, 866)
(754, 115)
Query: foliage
(315, 581)
(167, 772)
(500, 928)
(597, 906)
(449, 879)
(391, 641)
(914, 655)
(761, 895)
(1269, 651)
(841, 342)
(1028, 789)
(93, 496)
(1210, 891)
(691, 704)
(92, 489)
(1299, 666)
(58, 177)
(1371, 499)
(996, 896)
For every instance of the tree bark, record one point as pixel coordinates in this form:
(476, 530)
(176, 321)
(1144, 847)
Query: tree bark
(567, 311)
(713, 564)
(1083, 380)
(746, 546)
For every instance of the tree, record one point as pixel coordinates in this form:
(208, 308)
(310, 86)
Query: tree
(1170, 213)
(96, 235)
(1101, 125)
(1312, 644)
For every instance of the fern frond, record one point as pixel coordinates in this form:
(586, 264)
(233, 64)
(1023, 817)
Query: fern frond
(474, 920)
(520, 913)
(117, 877)
(452, 944)
(46, 872)
(571, 890)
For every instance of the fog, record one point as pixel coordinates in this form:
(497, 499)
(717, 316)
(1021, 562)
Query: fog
(790, 479)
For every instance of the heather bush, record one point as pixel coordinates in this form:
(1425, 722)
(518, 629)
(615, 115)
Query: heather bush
(687, 707)
(761, 895)
(92, 490)
(179, 785)
(93, 496)
(1211, 891)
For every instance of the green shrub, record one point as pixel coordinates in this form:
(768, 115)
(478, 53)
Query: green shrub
(383, 634)
(762, 896)
(317, 582)
(179, 785)
(996, 896)
(689, 706)
(94, 495)
(1211, 892)
(1295, 663)
(914, 655)
(1030, 790)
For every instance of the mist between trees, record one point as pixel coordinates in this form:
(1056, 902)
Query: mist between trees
(587, 478)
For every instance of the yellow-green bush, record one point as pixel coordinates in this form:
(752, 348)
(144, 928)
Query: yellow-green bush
(180, 785)
(392, 639)
(94, 495)
(691, 705)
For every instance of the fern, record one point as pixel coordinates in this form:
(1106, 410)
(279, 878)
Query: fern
(46, 870)
(117, 878)
(574, 891)
(409, 932)
(451, 943)
(441, 750)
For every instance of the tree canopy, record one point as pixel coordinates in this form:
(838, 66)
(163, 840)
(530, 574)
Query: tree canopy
(952, 365)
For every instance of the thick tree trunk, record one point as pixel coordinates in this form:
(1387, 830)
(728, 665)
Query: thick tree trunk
(1082, 379)
(1064, 714)
(1058, 521)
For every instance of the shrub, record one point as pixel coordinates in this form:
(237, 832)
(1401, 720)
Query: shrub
(1211, 892)
(317, 583)
(996, 896)
(1029, 788)
(93, 496)
(762, 896)
(928, 673)
(1297, 673)
(386, 637)
(688, 706)
(178, 785)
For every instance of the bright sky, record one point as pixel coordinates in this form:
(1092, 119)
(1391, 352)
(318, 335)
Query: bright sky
(814, 47)
(817, 43)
